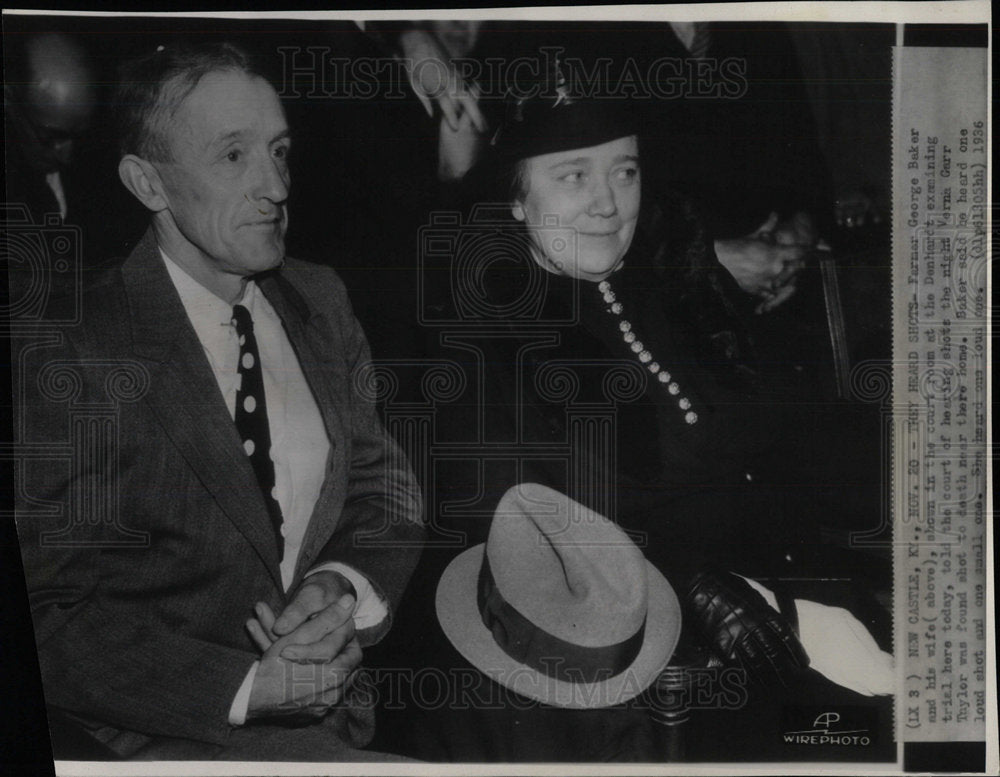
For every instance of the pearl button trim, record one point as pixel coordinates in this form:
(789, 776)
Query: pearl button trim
(643, 354)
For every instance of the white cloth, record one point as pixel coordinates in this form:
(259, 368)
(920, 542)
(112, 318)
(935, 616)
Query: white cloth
(299, 444)
(839, 646)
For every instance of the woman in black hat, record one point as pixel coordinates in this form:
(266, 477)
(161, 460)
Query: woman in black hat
(642, 323)
(605, 360)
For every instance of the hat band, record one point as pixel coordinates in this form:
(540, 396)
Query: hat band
(528, 644)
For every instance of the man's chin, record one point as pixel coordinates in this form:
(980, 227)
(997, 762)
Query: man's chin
(270, 259)
(273, 264)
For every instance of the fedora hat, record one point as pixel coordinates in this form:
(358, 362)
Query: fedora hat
(559, 604)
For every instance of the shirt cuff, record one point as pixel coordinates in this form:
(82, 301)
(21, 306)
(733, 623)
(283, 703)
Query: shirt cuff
(238, 711)
(370, 609)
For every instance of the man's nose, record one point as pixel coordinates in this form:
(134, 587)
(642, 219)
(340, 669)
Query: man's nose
(272, 180)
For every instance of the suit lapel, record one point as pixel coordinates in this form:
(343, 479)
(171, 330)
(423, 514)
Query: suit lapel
(185, 396)
(312, 338)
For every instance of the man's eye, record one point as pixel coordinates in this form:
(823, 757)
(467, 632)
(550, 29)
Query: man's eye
(233, 156)
(574, 177)
(281, 152)
(628, 173)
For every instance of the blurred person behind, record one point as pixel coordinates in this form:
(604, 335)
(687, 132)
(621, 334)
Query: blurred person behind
(49, 101)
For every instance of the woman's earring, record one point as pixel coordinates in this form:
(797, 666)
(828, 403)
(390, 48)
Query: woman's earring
(517, 212)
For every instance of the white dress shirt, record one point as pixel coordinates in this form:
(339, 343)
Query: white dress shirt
(54, 182)
(299, 443)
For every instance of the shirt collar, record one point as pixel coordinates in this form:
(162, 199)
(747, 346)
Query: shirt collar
(210, 315)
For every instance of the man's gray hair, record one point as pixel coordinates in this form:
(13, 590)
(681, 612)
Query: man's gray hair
(151, 89)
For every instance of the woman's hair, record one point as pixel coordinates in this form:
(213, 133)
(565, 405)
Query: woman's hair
(515, 183)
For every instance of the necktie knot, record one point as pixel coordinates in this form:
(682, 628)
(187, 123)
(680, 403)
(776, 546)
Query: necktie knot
(242, 320)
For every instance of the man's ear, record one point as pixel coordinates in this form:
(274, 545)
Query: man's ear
(517, 211)
(141, 178)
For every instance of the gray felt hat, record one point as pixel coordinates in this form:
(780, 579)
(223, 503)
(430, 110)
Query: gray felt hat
(559, 604)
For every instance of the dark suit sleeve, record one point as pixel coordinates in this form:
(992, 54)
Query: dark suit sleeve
(380, 532)
(132, 674)
(106, 650)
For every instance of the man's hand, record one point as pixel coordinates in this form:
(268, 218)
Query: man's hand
(315, 625)
(316, 629)
(799, 230)
(458, 150)
(283, 687)
(765, 262)
(434, 78)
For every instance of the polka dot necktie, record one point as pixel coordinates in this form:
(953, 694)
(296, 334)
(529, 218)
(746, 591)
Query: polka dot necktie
(251, 416)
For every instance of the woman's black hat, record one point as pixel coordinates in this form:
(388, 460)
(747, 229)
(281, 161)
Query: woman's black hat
(551, 115)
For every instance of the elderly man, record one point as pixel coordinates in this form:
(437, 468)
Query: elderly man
(205, 569)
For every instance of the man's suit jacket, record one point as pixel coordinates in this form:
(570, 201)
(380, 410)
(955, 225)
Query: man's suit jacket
(145, 537)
